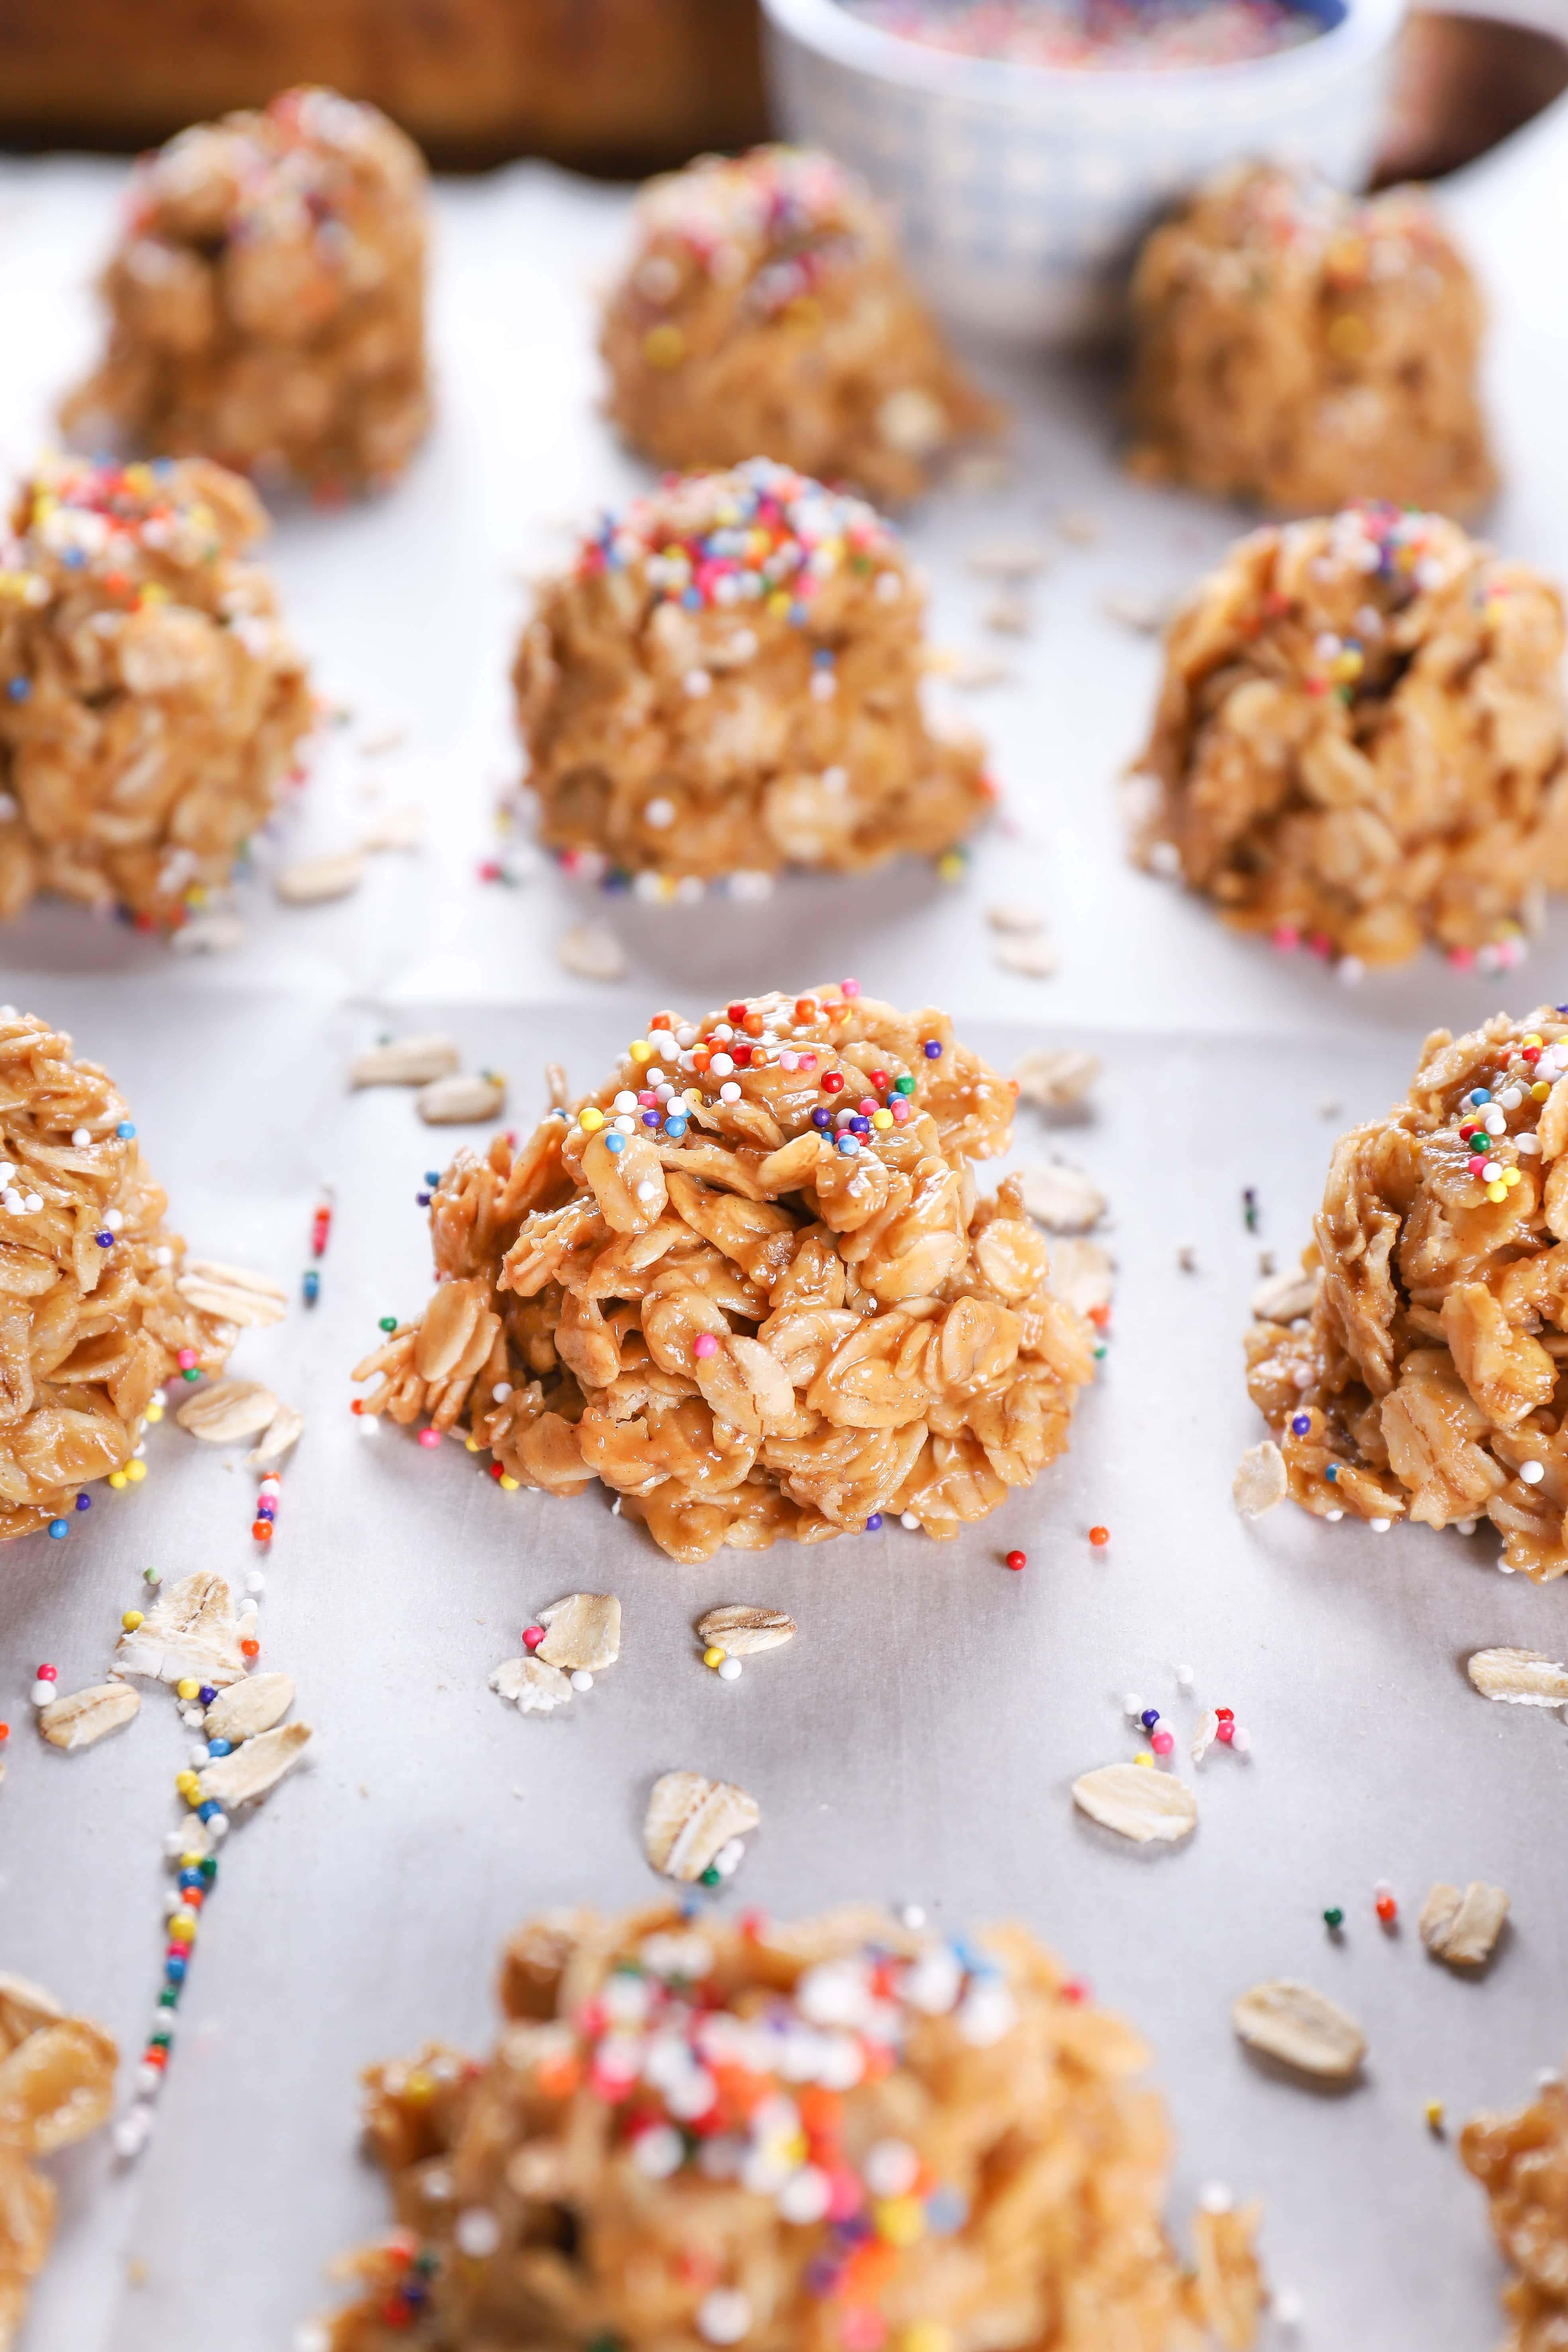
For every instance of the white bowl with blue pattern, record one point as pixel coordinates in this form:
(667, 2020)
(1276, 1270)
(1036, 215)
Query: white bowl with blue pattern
(1022, 191)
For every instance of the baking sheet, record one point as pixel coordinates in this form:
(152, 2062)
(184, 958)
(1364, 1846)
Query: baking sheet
(919, 1739)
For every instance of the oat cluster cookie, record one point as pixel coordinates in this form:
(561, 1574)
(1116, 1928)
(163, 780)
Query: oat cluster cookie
(1521, 2162)
(92, 1317)
(750, 1284)
(1359, 741)
(727, 681)
(150, 701)
(267, 301)
(56, 2080)
(1430, 1378)
(765, 307)
(839, 2133)
(1302, 347)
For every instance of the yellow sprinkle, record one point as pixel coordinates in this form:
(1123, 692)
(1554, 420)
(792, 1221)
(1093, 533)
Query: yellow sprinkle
(926, 2336)
(1144, 1759)
(779, 601)
(1434, 2112)
(879, 1118)
(951, 867)
(117, 1478)
(1535, 1038)
(713, 1657)
(156, 1409)
(136, 1472)
(900, 2220)
(1511, 1177)
(419, 2086)
(805, 312)
(1497, 1191)
(1540, 1090)
(664, 346)
(508, 1486)
(153, 593)
(471, 1445)
(187, 1689)
(185, 1782)
(1348, 336)
(640, 1050)
(590, 1120)
(131, 1618)
(183, 1926)
(191, 1860)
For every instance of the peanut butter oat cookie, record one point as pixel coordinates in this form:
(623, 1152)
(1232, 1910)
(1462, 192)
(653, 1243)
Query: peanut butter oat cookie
(839, 2133)
(1359, 739)
(727, 681)
(1427, 1380)
(92, 1317)
(57, 2079)
(751, 1284)
(1521, 2162)
(267, 301)
(150, 701)
(1302, 347)
(765, 309)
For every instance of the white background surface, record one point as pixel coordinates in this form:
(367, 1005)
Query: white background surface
(918, 1740)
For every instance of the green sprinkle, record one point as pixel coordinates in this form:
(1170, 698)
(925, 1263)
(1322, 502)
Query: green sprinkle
(387, 1323)
(1333, 1917)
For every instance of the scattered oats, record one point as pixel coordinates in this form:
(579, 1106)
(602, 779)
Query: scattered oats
(1147, 1807)
(1281, 1298)
(1186, 1259)
(1076, 524)
(1164, 859)
(592, 952)
(460, 1101)
(189, 1633)
(282, 1431)
(1463, 1929)
(1031, 958)
(979, 470)
(585, 1632)
(1008, 617)
(213, 934)
(1081, 1273)
(1302, 2028)
(1522, 1677)
(87, 1715)
(533, 1687)
(968, 670)
(1008, 915)
(1147, 614)
(742, 1630)
(232, 1293)
(248, 1708)
(406, 1062)
(914, 421)
(1204, 1733)
(251, 1771)
(1261, 1480)
(1057, 1077)
(1009, 559)
(395, 828)
(227, 1410)
(690, 1818)
(1062, 1198)
(309, 881)
(1329, 1108)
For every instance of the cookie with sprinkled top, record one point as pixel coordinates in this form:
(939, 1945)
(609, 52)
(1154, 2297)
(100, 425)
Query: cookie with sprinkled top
(728, 682)
(1299, 347)
(749, 1285)
(267, 300)
(1427, 1380)
(1359, 741)
(765, 309)
(151, 703)
(94, 1317)
(1521, 2162)
(844, 2134)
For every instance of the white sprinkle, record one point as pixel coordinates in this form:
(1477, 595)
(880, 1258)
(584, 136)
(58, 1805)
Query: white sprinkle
(805, 2196)
(889, 587)
(477, 2231)
(1333, 1515)
(1302, 1376)
(729, 1672)
(1494, 1122)
(581, 1680)
(658, 2151)
(130, 2135)
(1465, 1526)
(907, 1519)
(1289, 2307)
(1350, 971)
(1184, 1678)
(729, 1857)
(254, 1582)
(1131, 1704)
(114, 1219)
(1216, 2198)
(824, 686)
(890, 2167)
(648, 1190)
(729, 1091)
(163, 1254)
(1164, 859)
(81, 1138)
(698, 682)
(1241, 1741)
(43, 1693)
(626, 1099)
(1510, 1098)
(913, 1917)
(1380, 1527)
(1532, 1473)
(35, 1203)
(724, 2315)
(721, 1064)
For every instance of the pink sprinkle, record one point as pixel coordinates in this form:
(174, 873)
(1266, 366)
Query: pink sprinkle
(186, 1359)
(1319, 943)
(429, 1437)
(1462, 958)
(868, 1105)
(704, 1345)
(848, 988)
(901, 1111)
(532, 1636)
(1286, 937)
(1161, 1743)
(45, 1675)
(788, 1061)
(808, 1061)
(1225, 1729)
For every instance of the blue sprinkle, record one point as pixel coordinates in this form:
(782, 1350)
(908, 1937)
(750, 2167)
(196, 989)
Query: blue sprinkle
(310, 1285)
(873, 1523)
(690, 600)
(125, 1130)
(650, 1118)
(797, 614)
(1300, 1423)
(848, 1144)
(84, 1502)
(1478, 1095)
(822, 658)
(206, 1813)
(18, 688)
(104, 1240)
(1331, 1473)
(931, 1050)
(59, 1527)
(1150, 1718)
(614, 1141)
(675, 1129)
(174, 1970)
(946, 2212)
(207, 1693)
(73, 559)
(217, 1747)
(190, 1878)
(859, 1126)
(422, 1200)
(432, 1177)
(821, 1117)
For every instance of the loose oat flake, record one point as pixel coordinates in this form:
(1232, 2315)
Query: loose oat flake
(591, 952)
(233, 1293)
(740, 1630)
(583, 1633)
(310, 881)
(1081, 1274)
(248, 1708)
(1033, 958)
(1520, 1677)
(1284, 1297)
(251, 1771)
(1462, 1928)
(1148, 1807)
(406, 1062)
(1261, 1480)
(284, 1431)
(690, 1819)
(227, 1410)
(532, 1688)
(87, 1716)
(190, 1633)
(1301, 2028)
(1057, 1077)
(1062, 1198)
(460, 1101)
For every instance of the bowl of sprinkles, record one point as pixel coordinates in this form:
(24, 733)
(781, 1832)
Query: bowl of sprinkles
(1026, 145)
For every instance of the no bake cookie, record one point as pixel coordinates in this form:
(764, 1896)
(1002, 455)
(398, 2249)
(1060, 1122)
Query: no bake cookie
(93, 1314)
(727, 681)
(765, 309)
(56, 2080)
(1521, 2162)
(151, 703)
(749, 1284)
(1301, 347)
(840, 2134)
(1427, 1378)
(1359, 739)
(267, 300)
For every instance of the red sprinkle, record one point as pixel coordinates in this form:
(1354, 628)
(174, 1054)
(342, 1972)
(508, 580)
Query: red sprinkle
(532, 1636)
(1387, 1909)
(262, 1530)
(1017, 1560)
(250, 1649)
(45, 1675)
(734, 1011)
(429, 1437)
(1100, 1535)
(832, 1083)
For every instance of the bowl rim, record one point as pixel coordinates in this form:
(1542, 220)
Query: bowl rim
(830, 29)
